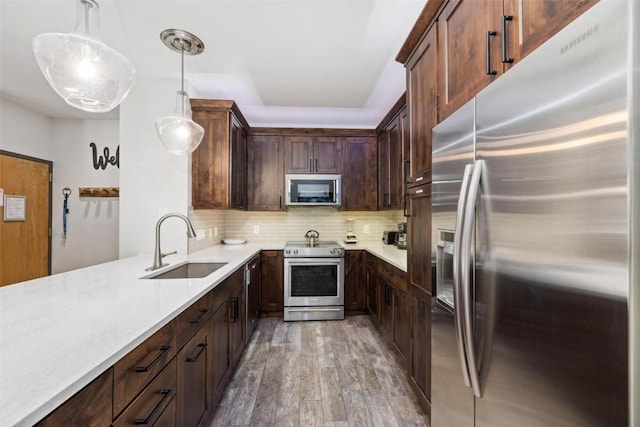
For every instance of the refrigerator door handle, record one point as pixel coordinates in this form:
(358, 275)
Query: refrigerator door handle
(465, 274)
(457, 297)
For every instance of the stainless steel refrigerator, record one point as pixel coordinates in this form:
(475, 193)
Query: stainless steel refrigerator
(535, 230)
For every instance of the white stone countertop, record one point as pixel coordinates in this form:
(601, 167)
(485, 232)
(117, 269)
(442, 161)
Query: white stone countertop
(60, 332)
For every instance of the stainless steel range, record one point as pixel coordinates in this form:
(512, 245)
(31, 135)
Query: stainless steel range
(313, 281)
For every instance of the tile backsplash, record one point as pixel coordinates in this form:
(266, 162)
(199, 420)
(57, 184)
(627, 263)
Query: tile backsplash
(265, 227)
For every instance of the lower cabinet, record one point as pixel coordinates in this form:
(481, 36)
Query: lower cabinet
(355, 285)
(272, 284)
(177, 376)
(420, 366)
(91, 406)
(195, 381)
(389, 305)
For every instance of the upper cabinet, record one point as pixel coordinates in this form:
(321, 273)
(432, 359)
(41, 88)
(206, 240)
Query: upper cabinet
(391, 164)
(218, 165)
(265, 177)
(529, 23)
(422, 102)
(470, 56)
(312, 154)
(481, 39)
(360, 173)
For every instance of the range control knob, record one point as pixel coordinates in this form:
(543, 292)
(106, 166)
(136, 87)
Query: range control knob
(295, 252)
(287, 251)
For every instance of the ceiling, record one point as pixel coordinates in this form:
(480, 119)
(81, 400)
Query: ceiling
(297, 63)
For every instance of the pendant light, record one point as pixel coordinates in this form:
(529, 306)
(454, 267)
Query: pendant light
(80, 67)
(178, 132)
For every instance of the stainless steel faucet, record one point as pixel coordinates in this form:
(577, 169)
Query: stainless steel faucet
(158, 255)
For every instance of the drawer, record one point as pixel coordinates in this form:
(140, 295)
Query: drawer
(134, 371)
(151, 406)
(223, 291)
(190, 321)
(396, 276)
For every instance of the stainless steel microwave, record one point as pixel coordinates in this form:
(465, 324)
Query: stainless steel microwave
(313, 189)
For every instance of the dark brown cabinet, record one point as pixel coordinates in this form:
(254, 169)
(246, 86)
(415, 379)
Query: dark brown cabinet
(422, 103)
(221, 362)
(537, 21)
(238, 184)
(91, 406)
(312, 154)
(387, 295)
(419, 237)
(373, 296)
(470, 56)
(420, 365)
(254, 280)
(218, 165)
(265, 176)
(390, 166)
(360, 173)
(236, 323)
(195, 381)
(272, 284)
(355, 285)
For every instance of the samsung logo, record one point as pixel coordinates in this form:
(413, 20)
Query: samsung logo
(582, 37)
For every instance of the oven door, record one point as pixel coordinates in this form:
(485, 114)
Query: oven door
(310, 282)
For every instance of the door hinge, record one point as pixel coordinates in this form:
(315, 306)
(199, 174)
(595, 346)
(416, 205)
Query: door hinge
(50, 177)
(50, 233)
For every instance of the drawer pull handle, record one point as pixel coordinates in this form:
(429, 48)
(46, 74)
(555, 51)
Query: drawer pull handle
(234, 309)
(166, 393)
(163, 351)
(505, 58)
(197, 356)
(199, 318)
(419, 179)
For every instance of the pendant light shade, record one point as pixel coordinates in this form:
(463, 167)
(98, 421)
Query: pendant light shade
(80, 67)
(178, 132)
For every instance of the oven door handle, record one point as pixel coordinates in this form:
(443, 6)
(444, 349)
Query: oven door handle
(302, 310)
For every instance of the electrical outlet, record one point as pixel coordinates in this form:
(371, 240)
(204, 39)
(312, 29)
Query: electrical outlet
(210, 232)
(256, 229)
(366, 229)
(200, 234)
(215, 231)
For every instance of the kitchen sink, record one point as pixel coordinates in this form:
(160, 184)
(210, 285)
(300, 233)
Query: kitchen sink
(190, 270)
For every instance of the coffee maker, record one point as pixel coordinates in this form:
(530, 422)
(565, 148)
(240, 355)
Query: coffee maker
(402, 235)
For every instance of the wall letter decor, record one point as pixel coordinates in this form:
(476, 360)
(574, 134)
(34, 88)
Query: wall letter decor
(103, 161)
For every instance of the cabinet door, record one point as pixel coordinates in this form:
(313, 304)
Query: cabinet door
(390, 175)
(419, 237)
(355, 286)
(386, 307)
(237, 306)
(91, 406)
(469, 44)
(220, 354)
(195, 381)
(420, 365)
(238, 184)
(272, 284)
(327, 154)
(360, 173)
(402, 324)
(210, 161)
(537, 21)
(422, 101)
(298, 154)
(373, 294)
(253, 297)
(265, 173)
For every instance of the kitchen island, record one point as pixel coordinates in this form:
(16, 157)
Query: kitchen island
(58, 333)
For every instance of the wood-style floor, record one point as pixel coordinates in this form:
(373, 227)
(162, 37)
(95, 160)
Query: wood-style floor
(331, 373)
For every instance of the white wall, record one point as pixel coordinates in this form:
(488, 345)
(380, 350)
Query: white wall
(152, 181)
(92, 223)
(24, 131)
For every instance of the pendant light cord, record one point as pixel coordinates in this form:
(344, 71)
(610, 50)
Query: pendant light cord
(182, 73)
